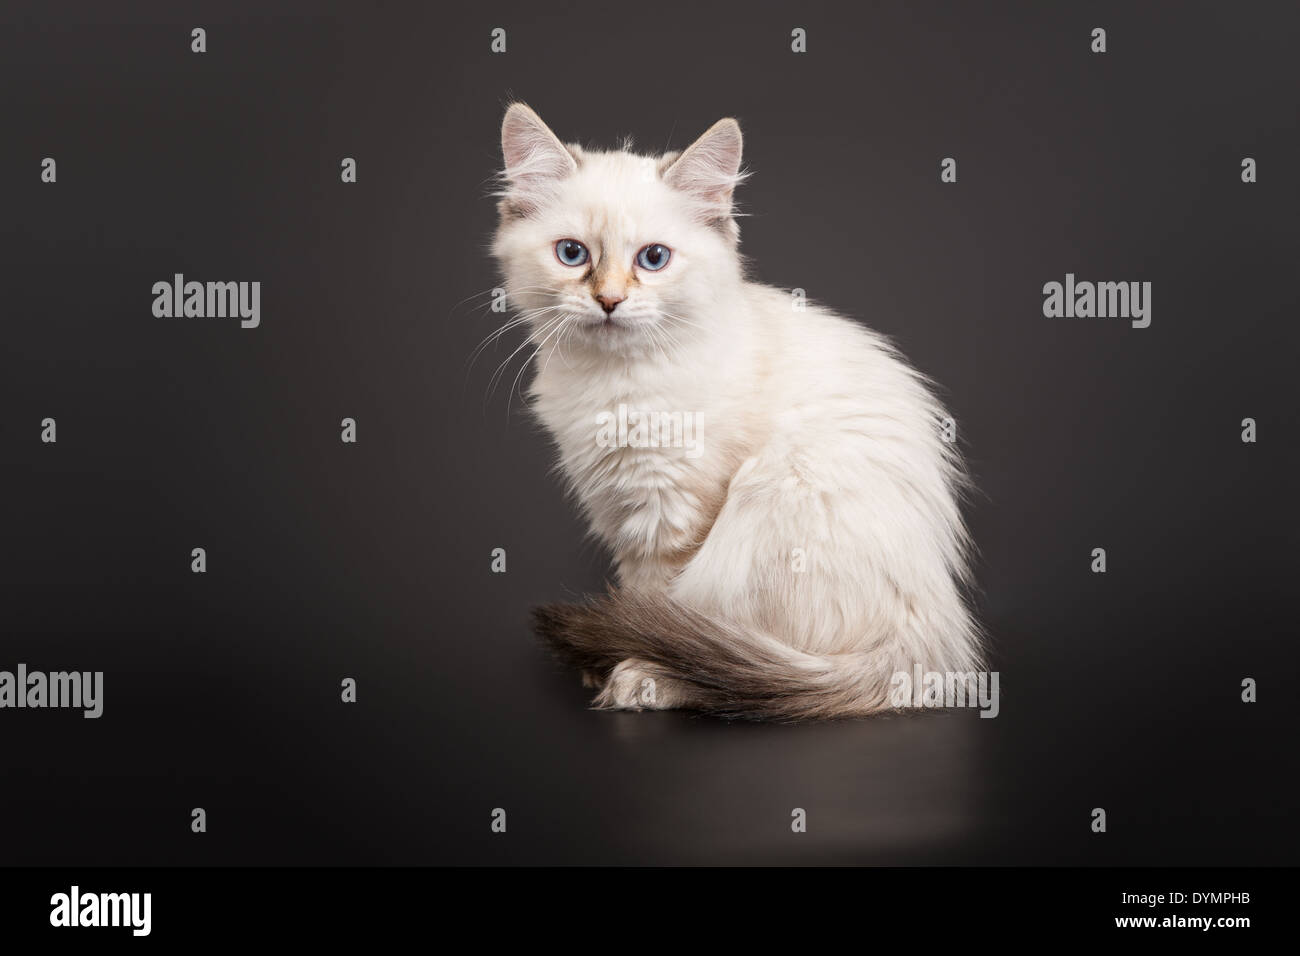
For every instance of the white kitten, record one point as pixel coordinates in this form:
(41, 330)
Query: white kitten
(809, 546)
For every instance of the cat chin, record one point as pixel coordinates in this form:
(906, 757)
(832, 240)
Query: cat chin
(606, 327)
(614, 338)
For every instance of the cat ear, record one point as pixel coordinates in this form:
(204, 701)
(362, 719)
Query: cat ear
(709, 170)
(535, 159)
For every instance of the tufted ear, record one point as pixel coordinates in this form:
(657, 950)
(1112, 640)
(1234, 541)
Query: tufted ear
(709, 170)
(535, 159)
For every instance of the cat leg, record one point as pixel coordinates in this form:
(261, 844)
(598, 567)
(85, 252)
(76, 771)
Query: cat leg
(640, 685)
(647, 575)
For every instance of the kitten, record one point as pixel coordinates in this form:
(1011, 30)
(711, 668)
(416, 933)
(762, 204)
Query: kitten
(810, 546)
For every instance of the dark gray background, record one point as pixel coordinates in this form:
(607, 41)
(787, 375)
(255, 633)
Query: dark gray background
(372, 561)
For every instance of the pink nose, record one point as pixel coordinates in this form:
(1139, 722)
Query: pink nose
(607, 302)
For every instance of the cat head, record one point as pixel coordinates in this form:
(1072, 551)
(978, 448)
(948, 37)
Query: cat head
(612, 245)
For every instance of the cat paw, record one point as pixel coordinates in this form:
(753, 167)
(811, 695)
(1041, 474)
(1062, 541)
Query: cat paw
(638, 685)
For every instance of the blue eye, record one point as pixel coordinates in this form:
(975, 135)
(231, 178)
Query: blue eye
(654, 257)
(571, 252)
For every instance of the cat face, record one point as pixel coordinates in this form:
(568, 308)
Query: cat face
(613, 250)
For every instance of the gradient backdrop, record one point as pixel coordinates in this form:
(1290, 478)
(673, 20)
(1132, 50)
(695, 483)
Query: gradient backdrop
(371, 560)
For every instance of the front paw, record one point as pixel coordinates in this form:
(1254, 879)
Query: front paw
(635, 685)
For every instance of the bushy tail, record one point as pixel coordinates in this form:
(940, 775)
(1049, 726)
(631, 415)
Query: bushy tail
(729, 671)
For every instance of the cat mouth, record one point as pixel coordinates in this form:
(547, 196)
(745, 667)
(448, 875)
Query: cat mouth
(604, 323)
(608, 325)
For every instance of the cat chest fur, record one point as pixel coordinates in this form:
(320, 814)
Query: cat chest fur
(650, 481)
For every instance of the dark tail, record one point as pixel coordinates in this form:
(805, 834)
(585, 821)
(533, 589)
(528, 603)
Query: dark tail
(730, 672)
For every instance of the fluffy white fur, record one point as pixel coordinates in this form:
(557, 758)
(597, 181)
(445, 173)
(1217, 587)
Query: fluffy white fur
(818, 440)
